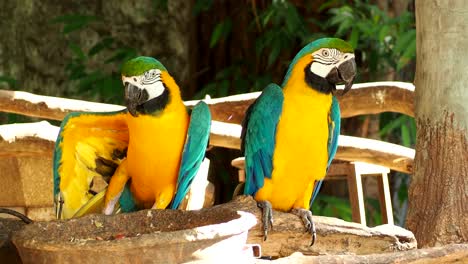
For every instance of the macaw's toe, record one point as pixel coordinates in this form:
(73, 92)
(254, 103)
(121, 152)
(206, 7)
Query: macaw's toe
(306, 216)
(267, 217)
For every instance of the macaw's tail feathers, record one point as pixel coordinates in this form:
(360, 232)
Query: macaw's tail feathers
(96, 204)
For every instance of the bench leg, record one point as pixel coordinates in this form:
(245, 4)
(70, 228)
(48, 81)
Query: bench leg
(356, 196)
(384, 199)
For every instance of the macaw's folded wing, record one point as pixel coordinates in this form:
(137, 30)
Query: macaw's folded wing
(194, 150)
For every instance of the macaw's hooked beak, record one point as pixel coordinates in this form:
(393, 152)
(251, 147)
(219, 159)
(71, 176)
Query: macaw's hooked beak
(344, 73)
(134, 97)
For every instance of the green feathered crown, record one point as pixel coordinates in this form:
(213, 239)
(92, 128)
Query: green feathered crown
(140, 65)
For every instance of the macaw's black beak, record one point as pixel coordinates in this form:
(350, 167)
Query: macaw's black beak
(344, 73)
(134, 97)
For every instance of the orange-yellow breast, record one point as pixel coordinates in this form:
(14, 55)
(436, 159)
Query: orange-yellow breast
(155, 154)
(300, 155)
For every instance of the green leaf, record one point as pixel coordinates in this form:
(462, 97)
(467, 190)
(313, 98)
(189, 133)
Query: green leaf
(160, 5)
(75, 70)
(223, 88)
(86, 83)
(77, 51)
(403, 192)
(221, 31)
(390, 126)
(328, 4)
(202, 6)
(273, 55)
(110, 87)
(405, 40)
(383, 32)
(101, 45)
(405, 136)
(412, 129)
(10, 81)
(73, 18)
(408, 55)
(121, 55)
(267, 16)
(354, 38)
(208, 89)
(73, 22)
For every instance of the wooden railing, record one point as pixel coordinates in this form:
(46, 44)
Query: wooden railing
(228, 112)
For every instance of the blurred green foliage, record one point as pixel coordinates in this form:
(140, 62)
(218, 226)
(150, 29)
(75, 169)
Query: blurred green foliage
(86, 68)
(386, 44)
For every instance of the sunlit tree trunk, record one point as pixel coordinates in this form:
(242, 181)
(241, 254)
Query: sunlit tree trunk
(438, 204)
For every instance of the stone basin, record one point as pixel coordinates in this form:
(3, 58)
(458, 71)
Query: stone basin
(148, 236)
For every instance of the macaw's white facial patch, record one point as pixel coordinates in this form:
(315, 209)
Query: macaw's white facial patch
(326, 59)
(150, 81)
(320, 69)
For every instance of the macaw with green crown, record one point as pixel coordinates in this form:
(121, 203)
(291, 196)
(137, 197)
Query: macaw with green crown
(290, 133)
(144, 156)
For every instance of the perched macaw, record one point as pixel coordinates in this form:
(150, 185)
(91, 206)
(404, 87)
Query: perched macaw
(290, 133)
(147, 153)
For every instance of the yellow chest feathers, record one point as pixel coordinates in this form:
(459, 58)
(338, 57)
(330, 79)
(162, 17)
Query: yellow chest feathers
(301, 155)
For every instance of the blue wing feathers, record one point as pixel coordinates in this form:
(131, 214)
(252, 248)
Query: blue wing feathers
(194, 150)
(258, 136)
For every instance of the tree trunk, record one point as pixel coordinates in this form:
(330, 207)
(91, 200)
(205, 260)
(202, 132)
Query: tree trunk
(438, 204)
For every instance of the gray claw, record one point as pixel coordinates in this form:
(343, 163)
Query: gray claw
(306, 217)
(267, 217)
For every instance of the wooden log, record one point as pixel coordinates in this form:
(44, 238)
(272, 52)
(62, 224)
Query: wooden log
(334, 236)
(18, 140)
(225, 135)
(453, 253)
(364, 98)
(377, 152)
(47, 107)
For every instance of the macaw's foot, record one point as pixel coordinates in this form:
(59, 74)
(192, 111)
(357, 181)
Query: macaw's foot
(306, 216)
(267, 217)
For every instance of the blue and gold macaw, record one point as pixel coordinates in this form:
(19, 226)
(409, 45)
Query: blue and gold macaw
(144, 156)
(290, 133)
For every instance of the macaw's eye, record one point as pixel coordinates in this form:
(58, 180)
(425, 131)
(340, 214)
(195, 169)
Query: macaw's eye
(325, 53)
(134, 79)
(153, 74)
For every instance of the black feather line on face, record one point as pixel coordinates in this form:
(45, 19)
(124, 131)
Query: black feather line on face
(318, 83)
(155, 105)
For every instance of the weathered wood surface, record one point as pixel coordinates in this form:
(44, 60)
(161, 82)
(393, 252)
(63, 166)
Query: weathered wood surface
(47, 107)
(334, 236)
(364, 98)
(377, 152)
(453, 253)
(27, 139)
